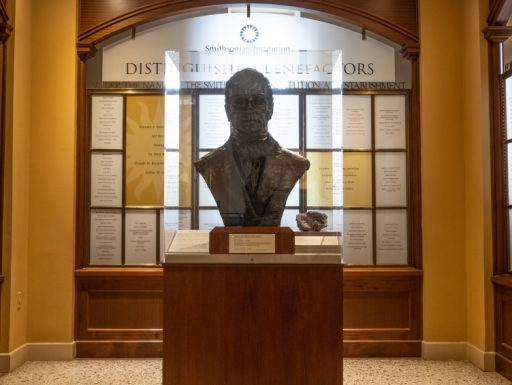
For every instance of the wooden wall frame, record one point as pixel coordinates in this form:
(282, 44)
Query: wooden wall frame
(396, 20)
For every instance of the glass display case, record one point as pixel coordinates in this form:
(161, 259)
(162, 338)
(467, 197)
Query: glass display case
(306, 109)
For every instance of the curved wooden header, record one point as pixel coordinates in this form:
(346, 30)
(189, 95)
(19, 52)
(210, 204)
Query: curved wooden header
(395, 20)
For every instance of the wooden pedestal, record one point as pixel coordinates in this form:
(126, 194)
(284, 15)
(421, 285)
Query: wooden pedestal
(253, 324)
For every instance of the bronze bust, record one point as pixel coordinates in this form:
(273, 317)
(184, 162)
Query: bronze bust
(251, 175)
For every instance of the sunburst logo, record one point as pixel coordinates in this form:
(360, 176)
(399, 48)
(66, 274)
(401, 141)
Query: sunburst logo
(249, 33)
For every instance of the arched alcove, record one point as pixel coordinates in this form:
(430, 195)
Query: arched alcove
(101, 22)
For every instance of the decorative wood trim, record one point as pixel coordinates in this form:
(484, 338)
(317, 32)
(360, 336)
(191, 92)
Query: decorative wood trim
(503, 280)
(120, 271)
(367, 349)
(497, 34)
(5, 32)
(412, 52)
(503, 366)
(500, 12)
(119, 349)
(160, 9)
(4, 17)
(85, 52)
(503, 324)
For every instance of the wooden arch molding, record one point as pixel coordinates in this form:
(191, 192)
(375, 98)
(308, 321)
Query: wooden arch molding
(394, 19)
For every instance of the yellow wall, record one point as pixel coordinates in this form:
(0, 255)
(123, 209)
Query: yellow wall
(16, 217)
(40, 157)
(443, 168)
(52, 165)
(477, 174)
(455, 175)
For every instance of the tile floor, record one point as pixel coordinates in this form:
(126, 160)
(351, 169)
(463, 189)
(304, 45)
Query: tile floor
(148, 372)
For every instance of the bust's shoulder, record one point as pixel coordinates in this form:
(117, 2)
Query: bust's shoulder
(214, 156)
(295, 158)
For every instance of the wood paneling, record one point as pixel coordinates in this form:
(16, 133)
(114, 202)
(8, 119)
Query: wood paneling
(394, 19)
(382, 313)
(253, 324)
(503, 324)
(119, 312)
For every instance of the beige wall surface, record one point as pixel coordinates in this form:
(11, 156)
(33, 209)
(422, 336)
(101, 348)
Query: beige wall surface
(39, 223)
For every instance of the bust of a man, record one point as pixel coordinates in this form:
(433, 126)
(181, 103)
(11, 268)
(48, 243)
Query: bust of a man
(251, 175)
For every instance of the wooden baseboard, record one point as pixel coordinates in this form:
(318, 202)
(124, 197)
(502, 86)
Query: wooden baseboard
(366, 349)
(503, 366)
(119, 349)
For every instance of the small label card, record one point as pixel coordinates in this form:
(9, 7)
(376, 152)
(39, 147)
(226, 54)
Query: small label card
(252, 243)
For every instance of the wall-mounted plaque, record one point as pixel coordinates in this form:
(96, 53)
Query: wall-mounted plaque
(334, 219)
(178, 146)
(106, 237)
(185, 150)
(320, 132)
(357, 237)
(390, 121)
(178, 219)
(106, 179)
(284, 125)
(508, 105)
(319, 179)
(510, 236)
(107, 122)
(144, 150)
(208, 219)
(140, 237)
(337, 178)
(509, 171)
(214, 127)
(391, 229)
(357, 121)
(390, 179)
(357, 179)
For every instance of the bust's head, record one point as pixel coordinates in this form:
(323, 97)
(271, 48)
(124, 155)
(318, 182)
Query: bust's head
(249, 104)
